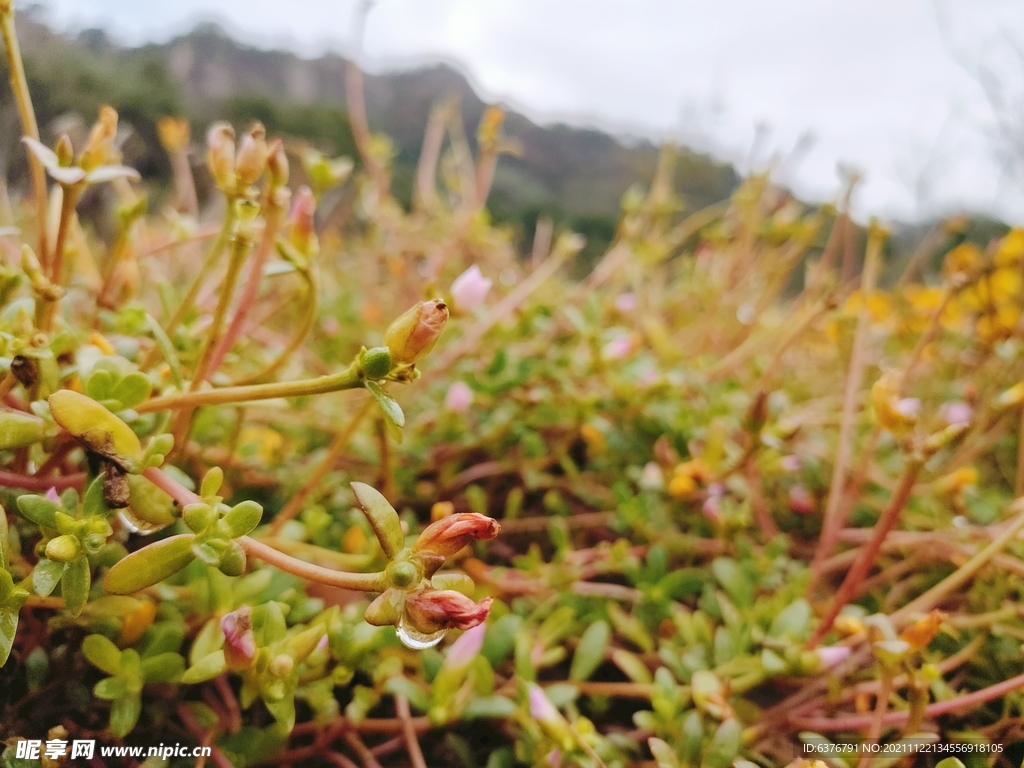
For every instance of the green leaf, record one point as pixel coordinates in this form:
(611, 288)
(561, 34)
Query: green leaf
(949, 762)
(686, 582)
(8, 629)
(46, 575)
(207, 668)
(212, 481)
(382, 518)
(163, 668)
(102, 654)
(167, 349)
(632, 666)
(39, 509)
(150, 565)
(734, 580)
(792, 621)
(124, 714)
(489, 707)
(243, 517)
(110, 688)
(75, 585)
(283, 711)
(662, 753)
(402, 686)
(18, 430)
(100, 385)
(132, 390)
(392, 410)
(724, 745)
(93, 504)
(590, 651)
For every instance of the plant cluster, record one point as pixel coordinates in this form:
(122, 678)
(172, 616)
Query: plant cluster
(735, 517)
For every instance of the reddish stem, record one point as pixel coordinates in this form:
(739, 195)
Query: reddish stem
(869, 552)
(249, 292)
(860, 722)
(33, 483)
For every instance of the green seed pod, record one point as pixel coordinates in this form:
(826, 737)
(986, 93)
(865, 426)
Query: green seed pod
(375, 363)
(18, 430)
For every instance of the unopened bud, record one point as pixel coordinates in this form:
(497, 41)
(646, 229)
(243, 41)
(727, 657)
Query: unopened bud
(459, 397)
(431, 610)
(282, 665)
(220, 155)
(174, 133)
(898, 415)
(277, 164)
(301, 220)
(239, 644)
(64, 151)
(101, 140)
(251, 160)
(63, 549)
(414, 334)
(450, 534)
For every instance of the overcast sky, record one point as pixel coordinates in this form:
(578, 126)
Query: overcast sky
(882, 85)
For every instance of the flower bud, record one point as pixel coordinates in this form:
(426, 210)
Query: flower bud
(414, 334)
(898, 415)
(469, 290)
(64, 151)
(431, 610)
(63, 549)
(282, 665)
(459, 397)
(101, 140)
(549, 718)
(800, 500)
(300, 219)
(277, 164)
(956, 412)
(625, 303)
(450, 534)
(831, 655)
(220, 155)
(466, 648)
(174, 133)
(239, 644)
(251, 161)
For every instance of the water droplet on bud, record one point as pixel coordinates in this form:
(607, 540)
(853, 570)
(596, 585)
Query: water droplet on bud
(418, 641)
(136, 524)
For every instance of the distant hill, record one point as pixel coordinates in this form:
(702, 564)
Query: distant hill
(577, 175)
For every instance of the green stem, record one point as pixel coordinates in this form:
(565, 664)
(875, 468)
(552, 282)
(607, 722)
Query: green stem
(363, 582)
(350, 378)
(212, 260)
(19, 85)
(301, 331)
(239, 251)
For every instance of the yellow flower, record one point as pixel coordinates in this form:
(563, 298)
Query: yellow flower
(267, 442)
(173, 133)
(893, 413)
(961, 262)
(998, 325)
(878, 304)
(957, 480)
(1011, 248)
(682, 487)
